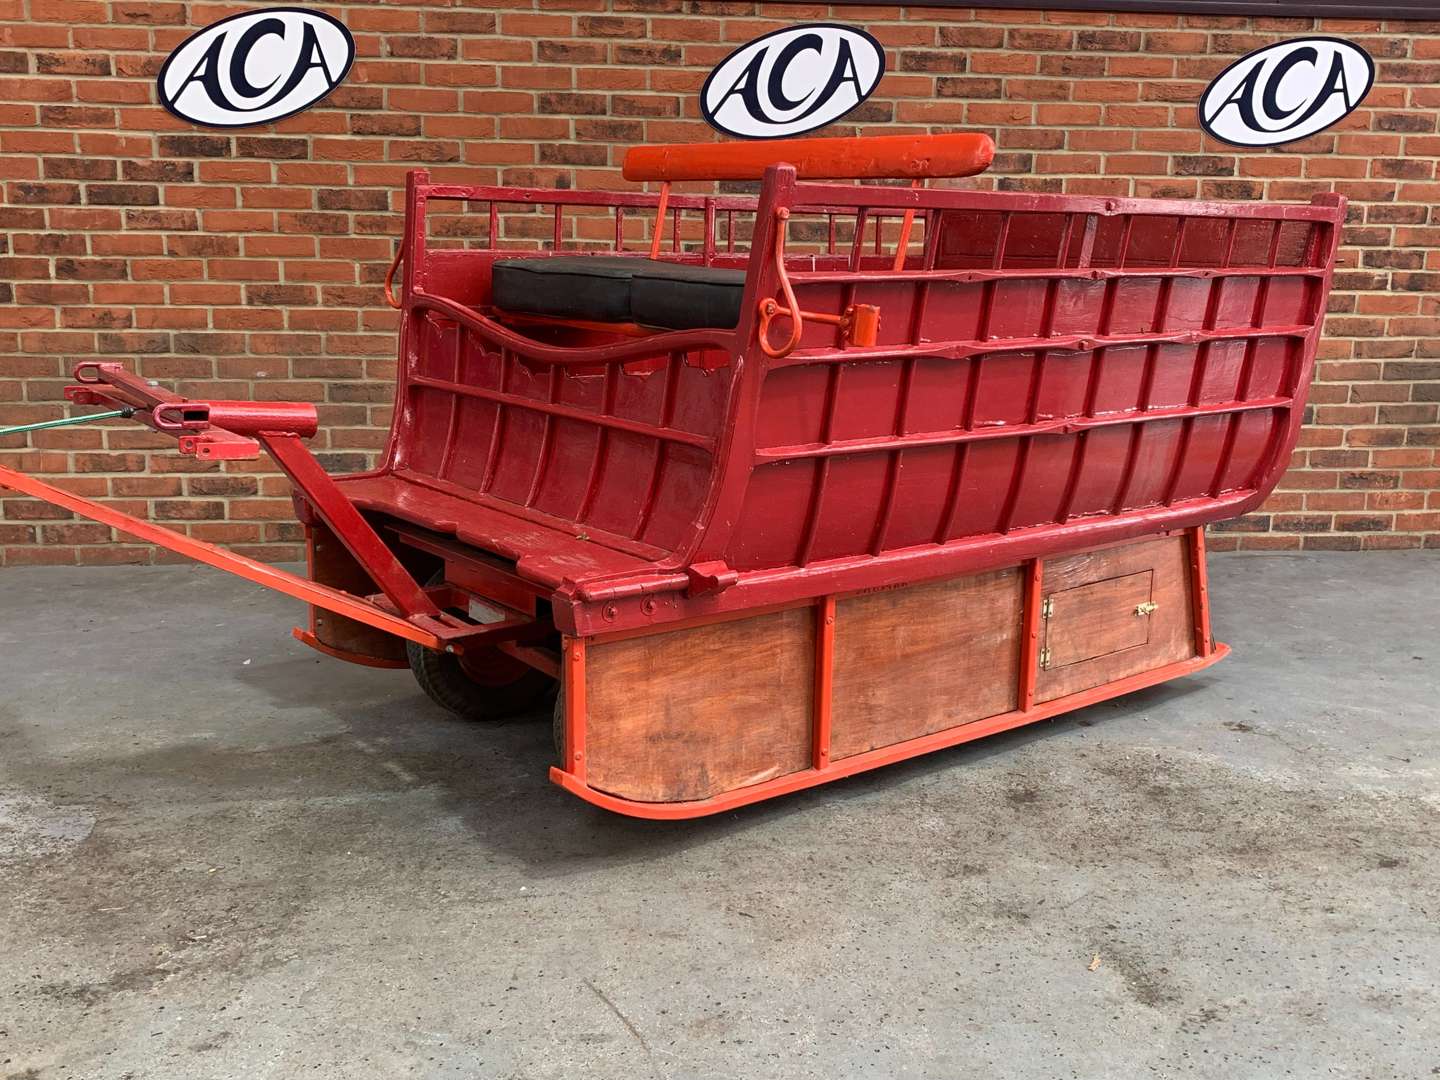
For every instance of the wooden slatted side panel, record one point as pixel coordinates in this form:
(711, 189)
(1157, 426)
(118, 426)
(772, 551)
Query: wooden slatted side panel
(692, 713)
(1042, 366)
(700, 711)
(913, 661)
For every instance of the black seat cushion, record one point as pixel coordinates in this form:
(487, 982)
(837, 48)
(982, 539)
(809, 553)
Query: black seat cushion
(571, 286)
(619, 288)
(684, 297)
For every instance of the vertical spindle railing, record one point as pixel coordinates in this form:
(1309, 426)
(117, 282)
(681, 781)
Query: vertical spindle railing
(951, 512)
(1037, 378)
(857, 242)
(602, 445)
(674, 361)
(822, 466)
(452, 425)
(1103, 325)
(1197, 378)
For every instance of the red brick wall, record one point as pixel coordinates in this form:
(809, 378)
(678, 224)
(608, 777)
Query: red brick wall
(248, 263)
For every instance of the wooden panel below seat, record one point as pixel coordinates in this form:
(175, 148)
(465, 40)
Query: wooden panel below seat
(1100, 626)
(691, 713)
(912, 661)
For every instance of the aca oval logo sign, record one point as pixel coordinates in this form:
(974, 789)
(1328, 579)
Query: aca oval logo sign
(256, 67)
(1286, 91)
(792, 81)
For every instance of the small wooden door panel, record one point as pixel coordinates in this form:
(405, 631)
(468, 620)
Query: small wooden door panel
(1112, 613)
(1088, 621)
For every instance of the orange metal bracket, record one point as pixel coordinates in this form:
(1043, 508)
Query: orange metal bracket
(1200, 583)
(860, 323)
(903, 244)
(390, 297)
(575, 707)
(824, 682)
(659, 229)
(321, 596)
(305, 637)
(1030, 637)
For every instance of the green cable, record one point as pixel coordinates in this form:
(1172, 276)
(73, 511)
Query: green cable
(66, 422)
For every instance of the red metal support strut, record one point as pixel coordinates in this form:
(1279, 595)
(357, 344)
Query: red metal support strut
(235, 430)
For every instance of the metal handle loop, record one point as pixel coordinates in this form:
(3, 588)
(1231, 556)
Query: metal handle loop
(770, 307)
(390, 297)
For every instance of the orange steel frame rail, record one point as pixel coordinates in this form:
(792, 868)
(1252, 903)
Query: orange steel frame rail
(571, 776)
(321, 596)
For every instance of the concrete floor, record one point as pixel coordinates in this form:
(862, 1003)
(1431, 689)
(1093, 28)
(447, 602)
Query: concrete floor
(224, 856)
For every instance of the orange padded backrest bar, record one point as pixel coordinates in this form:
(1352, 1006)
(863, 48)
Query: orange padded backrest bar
(905, 157)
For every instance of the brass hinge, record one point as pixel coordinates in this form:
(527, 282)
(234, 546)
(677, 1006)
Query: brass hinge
(1146, 608)
(1044, 659)
(1047, 608)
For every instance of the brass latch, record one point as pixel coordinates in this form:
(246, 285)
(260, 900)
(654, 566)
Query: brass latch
(1146, 608)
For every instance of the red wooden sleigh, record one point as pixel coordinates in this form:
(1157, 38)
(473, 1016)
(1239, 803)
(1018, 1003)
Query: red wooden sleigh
(828, 477)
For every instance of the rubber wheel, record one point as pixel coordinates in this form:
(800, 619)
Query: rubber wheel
(557, 727)
(484, 684)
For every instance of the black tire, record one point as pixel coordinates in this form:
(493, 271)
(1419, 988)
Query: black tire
(482, 684)
(486, 685)
(557, 727)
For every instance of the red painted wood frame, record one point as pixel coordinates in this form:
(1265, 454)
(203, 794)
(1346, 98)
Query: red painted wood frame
(694, 578)
(570, 775)
(664, 589)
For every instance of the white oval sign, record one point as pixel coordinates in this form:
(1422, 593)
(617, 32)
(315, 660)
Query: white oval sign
(792, 81)
(256, 67)
(1286, 91)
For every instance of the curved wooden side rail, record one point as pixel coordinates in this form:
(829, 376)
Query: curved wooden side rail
(588, 356)
(876, 157)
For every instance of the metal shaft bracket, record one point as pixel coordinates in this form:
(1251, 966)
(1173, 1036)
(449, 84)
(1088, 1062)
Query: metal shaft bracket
(236, 430)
